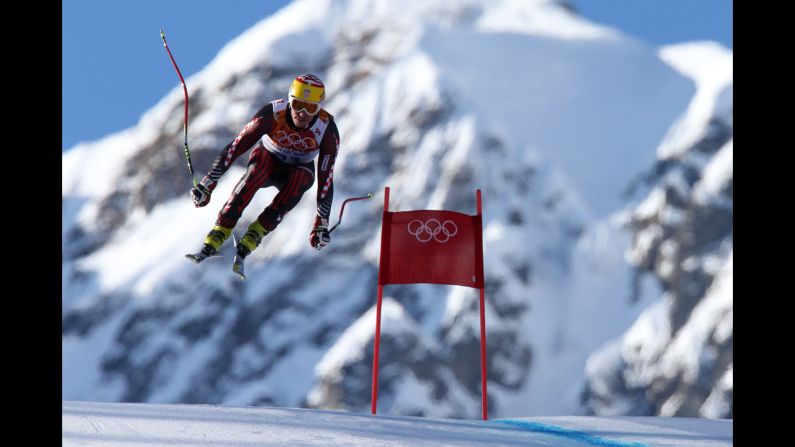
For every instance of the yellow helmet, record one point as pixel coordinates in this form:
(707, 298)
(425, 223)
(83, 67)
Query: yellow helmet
(308, 88)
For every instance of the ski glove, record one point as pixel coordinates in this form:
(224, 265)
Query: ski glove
(319, 236)
(201, 193)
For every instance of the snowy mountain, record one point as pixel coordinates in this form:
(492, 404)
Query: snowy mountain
(677, 357)
(606, 171)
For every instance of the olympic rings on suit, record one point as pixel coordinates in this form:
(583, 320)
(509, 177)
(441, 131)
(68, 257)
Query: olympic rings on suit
(295, 141)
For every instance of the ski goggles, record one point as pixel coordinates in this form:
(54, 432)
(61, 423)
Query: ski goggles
(309, 107)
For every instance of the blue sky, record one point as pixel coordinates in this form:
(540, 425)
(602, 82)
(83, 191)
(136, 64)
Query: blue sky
(115, 67)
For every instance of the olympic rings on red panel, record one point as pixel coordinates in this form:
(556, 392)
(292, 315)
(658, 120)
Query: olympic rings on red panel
(432, 229)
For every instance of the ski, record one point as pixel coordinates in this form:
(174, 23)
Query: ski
(237, 267)
(199, 257)
(237, 264)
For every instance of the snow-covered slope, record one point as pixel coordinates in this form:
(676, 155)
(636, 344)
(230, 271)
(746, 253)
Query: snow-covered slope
(569, 128)
(121, 424)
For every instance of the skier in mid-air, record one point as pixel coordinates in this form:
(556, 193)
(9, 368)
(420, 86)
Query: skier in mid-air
(287, 135)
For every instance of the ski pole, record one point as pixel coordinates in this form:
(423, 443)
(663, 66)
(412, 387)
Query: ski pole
(185, 90)
(342, 209)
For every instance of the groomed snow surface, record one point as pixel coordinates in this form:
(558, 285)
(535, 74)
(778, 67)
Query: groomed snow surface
(140, 425)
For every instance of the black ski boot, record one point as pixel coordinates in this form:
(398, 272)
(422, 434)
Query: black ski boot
(206, 252)
(212, 243)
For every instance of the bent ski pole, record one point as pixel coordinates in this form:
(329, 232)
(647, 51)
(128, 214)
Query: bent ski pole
(185, 90)
(342, 209)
